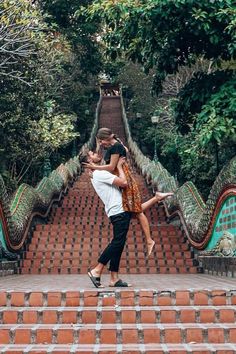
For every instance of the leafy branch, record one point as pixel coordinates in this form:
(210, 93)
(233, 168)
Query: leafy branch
(15, 38)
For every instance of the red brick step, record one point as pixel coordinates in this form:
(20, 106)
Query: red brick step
(110, 333)
(119, 314)
(121, 348)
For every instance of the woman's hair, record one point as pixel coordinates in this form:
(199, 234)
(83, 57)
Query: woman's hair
(104, 133)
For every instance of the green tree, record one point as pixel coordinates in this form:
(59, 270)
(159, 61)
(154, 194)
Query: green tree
(167, 34)
(62, 16)
(196, 93)
(41, 86)
(216, 123)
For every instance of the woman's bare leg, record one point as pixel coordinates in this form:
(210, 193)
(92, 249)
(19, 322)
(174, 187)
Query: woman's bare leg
(146, 229)
(159, 196)
(149, 203)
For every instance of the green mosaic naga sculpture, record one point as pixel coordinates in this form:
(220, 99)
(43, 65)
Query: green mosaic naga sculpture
(204, 222)
(16, 214)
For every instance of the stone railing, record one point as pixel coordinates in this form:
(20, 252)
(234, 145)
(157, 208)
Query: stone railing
(16, 214)
(205, 223)
(28, 202)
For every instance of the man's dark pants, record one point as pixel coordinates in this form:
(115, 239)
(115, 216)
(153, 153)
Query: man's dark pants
(114, 250)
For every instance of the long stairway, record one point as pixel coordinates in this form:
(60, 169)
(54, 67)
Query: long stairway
(52, 307)
(78, 230)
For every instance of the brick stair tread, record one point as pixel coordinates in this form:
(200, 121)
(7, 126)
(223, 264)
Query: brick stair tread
(68, 241)
(88, 235)
(138, 248)
(139, 314)
(120, 308)
(82, 259)
(64, 240)
(60, 244)
(138, 253)
(137, 256)
(117, 326)
(121, 348)
(40, 227)
(74, 253)
(118, 333)
(69, 247)
(123, 270)
(85, 232)
(150, 292)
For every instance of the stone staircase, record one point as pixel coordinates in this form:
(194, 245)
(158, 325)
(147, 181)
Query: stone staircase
(78, 230)
(120, 321)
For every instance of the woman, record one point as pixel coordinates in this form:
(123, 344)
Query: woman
(131, 196)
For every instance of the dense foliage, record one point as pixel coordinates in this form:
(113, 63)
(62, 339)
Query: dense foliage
(167, 34)
(195, 94)
(61, 15)
(47, 88)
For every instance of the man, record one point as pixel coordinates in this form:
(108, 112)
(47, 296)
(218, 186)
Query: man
(107, 186)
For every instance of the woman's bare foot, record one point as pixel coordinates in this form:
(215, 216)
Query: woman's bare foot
(161, 196)
(150, 246)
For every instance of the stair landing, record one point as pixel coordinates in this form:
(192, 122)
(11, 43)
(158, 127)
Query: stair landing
(158, 282)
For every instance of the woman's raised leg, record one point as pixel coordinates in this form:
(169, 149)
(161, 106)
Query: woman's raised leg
(159, 196)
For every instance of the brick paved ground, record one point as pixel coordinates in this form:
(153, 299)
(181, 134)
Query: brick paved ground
(147, 281)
